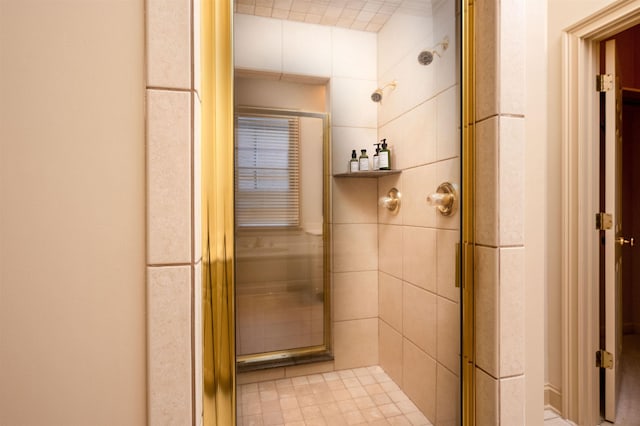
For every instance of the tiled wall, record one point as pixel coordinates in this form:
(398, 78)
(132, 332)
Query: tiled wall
(173, 213)
(418, 300)
(500, 252)
(348, 59)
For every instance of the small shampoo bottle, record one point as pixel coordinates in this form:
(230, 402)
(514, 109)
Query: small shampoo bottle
(376, 157)
(364, 160)
(353, 163)
(385, 156)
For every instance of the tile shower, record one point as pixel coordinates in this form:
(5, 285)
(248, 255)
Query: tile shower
(394, 302)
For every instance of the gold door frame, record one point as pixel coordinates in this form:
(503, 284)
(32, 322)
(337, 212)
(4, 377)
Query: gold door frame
(218, 310)
(219, 397)
(468, 102)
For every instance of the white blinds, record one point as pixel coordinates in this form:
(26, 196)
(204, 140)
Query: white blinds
(266, 172)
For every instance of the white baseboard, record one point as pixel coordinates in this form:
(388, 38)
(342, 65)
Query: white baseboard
(552, 398)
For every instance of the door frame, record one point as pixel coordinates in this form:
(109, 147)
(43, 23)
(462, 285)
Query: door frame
(580, 202)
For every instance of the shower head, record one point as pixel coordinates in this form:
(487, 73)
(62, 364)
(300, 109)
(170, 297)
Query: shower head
(376, 96)
(426, 56)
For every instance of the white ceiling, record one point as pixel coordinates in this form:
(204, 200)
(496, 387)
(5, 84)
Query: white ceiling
(364, 15)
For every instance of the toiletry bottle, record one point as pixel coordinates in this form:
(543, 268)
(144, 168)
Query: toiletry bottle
(353, 163)
(385, 156)
(376, 157)
(364, 160)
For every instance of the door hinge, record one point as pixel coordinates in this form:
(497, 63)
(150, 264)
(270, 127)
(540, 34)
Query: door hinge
(604, 82)
(604, 359)
(604, 221)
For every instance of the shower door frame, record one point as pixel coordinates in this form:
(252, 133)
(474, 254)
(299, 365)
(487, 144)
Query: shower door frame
(318, 352)
(219, 396)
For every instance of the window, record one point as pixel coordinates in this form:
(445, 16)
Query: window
(266, 172)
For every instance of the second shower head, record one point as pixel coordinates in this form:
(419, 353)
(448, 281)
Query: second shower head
(426, 56)
(377, 94)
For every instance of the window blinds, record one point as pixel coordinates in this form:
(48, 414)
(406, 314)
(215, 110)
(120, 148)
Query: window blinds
(267, 171)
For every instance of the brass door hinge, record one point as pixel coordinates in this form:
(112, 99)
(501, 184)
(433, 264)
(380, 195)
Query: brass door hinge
(604, 359)
(604, 82)
(604, 221)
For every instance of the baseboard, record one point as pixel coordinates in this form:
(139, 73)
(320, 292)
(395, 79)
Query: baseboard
(552, 398)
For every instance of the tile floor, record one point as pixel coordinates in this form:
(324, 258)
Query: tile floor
(367, 396)
(362, 396)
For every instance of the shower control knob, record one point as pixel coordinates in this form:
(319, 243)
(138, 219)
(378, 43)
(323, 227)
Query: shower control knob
(622, 241)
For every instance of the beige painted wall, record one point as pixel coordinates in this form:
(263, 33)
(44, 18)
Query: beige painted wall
(536, 185)
(561, 14)
(72, 204)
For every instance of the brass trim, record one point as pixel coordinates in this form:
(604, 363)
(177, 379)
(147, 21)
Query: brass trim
(219, 364)
(468, 213)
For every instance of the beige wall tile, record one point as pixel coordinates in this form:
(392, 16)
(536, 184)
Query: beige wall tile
(306, 49)
(197, 46)
(385, 184)
(512, 311)
(401, 30)
(418, 184)
(448, 123)
(355, 247)
(355, 295)
(355, 200)
(512, 401)
(390, 249)
(419, 378)
(448, 332)
(511, 181)
(446, 264)
(487, 76)
(354, 53)
(419, 259)
(390, 300)
(197, 178)
(416, 84)
(419, 318)
(257, 43)
(487, 305)
(512, 57)
(355, 343)
(169, 355)
(391, 352)
(418, 136)
(344, 140)
(197, 344)
(169, 44)
(448, 398)
(487, 183)
(169, 177)
(351, 106)
(393, 131)
(444, 23)
(487, 408)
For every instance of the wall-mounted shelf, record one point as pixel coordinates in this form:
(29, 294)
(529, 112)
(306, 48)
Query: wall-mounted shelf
(369, 174)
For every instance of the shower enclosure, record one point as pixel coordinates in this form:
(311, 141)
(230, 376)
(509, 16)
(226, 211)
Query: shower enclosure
(281, 233)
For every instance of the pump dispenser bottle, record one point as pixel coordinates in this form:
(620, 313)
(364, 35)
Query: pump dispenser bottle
(353, 163)
(385, 156)
(364, 160)
(376, 157)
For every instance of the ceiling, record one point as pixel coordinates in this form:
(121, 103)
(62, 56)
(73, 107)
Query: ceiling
(364, 15)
